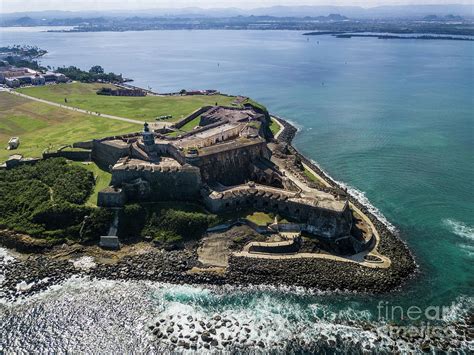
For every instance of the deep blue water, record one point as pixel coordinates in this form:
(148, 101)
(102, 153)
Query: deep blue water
(392, 119)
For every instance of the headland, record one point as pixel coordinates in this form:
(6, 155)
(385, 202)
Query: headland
(218, 196)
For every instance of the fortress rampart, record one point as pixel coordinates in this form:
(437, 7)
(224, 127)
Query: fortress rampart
(163, 181)
(314, 216)
(230, 166)
(228, 150)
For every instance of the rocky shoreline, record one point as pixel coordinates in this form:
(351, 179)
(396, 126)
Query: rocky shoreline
(223, 332)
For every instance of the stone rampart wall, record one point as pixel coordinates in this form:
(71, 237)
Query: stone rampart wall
(106, 154)
(191, 117)
(319, 221)
(167, 184)
(230, 167)
(83, 145)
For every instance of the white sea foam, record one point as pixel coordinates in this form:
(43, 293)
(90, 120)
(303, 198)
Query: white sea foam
(84, 263)
(464, 231)
(298, 126)
(5, 256)
(460, 228)
(458, 309)
(23, 286)
(118, 313)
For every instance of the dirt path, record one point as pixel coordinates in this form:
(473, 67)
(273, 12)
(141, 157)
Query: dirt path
(155, 125)
(280, 125)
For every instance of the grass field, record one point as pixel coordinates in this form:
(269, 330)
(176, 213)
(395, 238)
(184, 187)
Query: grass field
(84, 96)
(188, 127)
(102, 180)
(274, 127)
(42, 126)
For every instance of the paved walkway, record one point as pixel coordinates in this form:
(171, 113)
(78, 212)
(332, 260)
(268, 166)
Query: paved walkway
(155, 125)
(359, 258)
(281, 127)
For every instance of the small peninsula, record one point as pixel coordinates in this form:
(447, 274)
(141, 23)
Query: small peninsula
(191, 187)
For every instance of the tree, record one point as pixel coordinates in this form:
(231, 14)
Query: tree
(96, 69)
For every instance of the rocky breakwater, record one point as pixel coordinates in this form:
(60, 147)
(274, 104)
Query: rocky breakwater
(226, 331)
(158, 265)
(21, 278)
(289, 131)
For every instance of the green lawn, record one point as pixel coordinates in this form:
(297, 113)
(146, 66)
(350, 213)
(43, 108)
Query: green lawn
(42, 126)
(310, 175)
(313, 177)
(188, 127)
(102, 180)
(274, 127)
(260, 218)
(84, 96)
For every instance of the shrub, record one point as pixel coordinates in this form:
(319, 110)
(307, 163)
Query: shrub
(97, 224)
(189, 225)
(60, 216)
(132, 221)
(45, 200)
(168, 240)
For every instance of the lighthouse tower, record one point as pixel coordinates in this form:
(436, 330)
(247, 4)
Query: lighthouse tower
(148, 137)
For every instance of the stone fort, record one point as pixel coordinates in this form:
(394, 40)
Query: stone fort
(224, 163)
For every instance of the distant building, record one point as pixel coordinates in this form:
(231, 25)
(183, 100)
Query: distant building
(121, 92)
(14, 77)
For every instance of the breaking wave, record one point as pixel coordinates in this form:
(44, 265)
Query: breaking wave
(84, 315)
(465, 232)
(460, 229)
(5, 258)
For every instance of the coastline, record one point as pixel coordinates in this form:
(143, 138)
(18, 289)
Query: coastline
(183, 267)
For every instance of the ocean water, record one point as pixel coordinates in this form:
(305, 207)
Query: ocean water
(391, 119)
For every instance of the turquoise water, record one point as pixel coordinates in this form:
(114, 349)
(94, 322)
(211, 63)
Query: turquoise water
(393, 120)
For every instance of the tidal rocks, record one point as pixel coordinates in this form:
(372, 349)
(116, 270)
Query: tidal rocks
(37, 273)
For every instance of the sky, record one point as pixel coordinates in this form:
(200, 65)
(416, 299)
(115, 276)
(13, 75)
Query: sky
(7, 6)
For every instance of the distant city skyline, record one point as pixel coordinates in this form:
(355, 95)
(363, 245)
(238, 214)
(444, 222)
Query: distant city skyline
(8, 6)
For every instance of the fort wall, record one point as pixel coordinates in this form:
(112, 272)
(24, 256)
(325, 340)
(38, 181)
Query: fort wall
(106, 153)
(71, 155)
(191, 117)
(319, 221)
(158, 184)
(231, 166)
